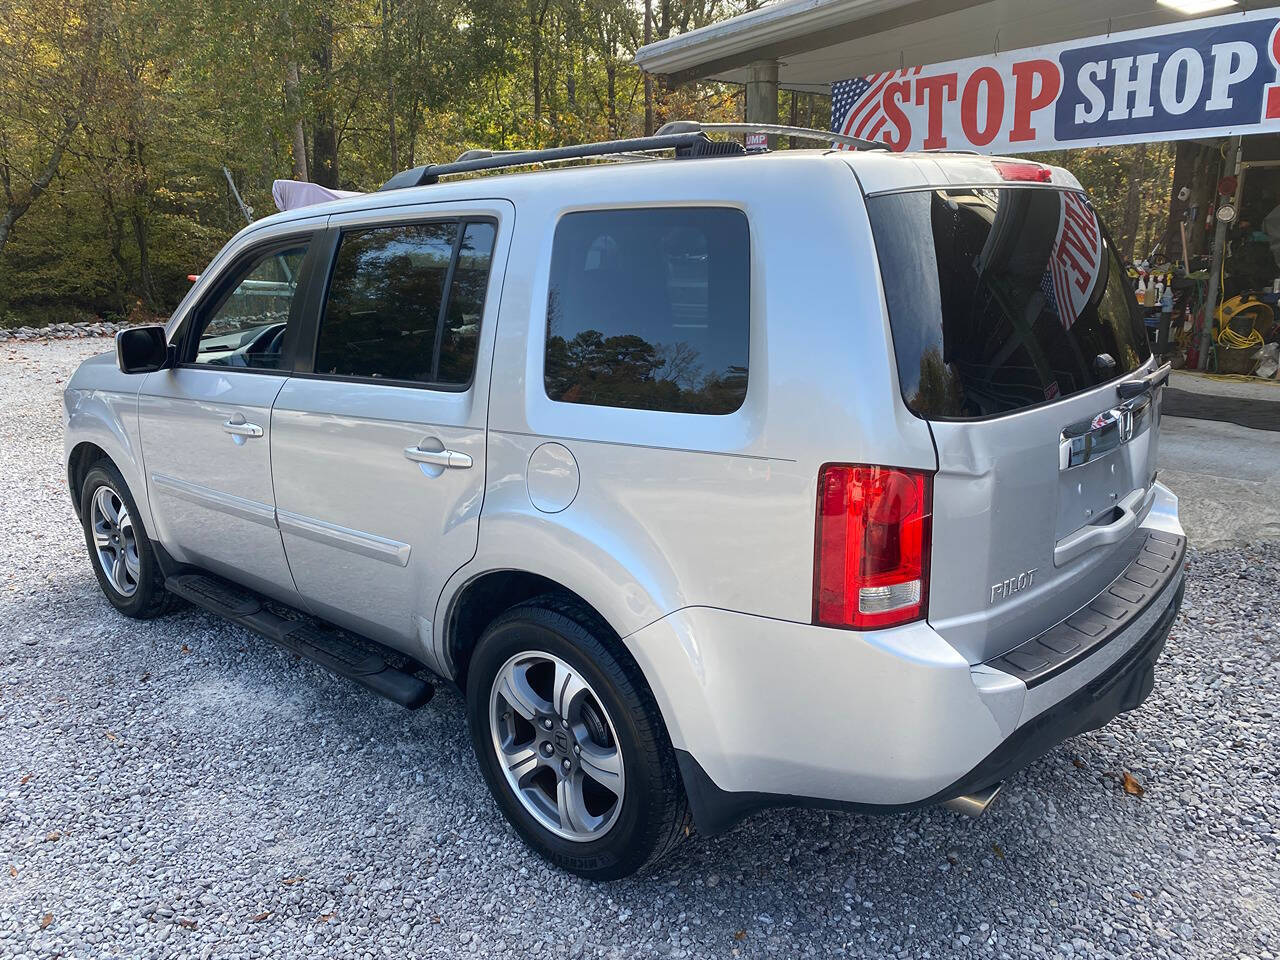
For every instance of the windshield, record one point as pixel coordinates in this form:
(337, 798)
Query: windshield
(1001, 298)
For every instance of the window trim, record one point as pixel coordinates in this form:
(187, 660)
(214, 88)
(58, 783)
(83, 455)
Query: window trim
(305, 365)
(676, 207)
(222, 288)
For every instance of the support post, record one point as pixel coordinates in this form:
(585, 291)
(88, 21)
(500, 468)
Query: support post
(762, 95)
(1231, 167)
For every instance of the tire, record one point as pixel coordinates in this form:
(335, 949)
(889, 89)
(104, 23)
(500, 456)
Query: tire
(143, 595)
(614, 711)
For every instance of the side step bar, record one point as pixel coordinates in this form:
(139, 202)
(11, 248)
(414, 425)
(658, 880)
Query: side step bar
(305, 638)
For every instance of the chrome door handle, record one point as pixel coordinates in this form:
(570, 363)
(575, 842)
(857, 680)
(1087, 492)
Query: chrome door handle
(439, 458)
(242, 429)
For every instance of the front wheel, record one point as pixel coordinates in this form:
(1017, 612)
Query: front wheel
(571, 744)
(119, 547)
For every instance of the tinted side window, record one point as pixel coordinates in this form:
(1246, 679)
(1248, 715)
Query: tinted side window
(650, 309)
(384, 301)
(246, 327)
(461, 333)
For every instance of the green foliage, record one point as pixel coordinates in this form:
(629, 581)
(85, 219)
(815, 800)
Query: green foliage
(150, 99)
(346, 92)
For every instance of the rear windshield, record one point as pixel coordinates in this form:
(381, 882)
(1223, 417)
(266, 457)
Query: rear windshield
(1001, 299)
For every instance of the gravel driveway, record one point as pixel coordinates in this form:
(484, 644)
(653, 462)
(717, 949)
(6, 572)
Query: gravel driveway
(183, 788)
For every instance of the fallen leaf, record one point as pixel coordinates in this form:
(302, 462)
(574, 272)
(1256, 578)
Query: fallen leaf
(290, 881)
(1131, 785)
(25, 778)
(995, 848)
(740, 935)
(46, 920)
(112, 737)
(1078, 763)
(53, 835)
(262, 916)
(1137, 895)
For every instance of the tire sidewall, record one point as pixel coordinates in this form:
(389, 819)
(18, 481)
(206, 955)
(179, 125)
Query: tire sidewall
(100, 475)
(622, 849)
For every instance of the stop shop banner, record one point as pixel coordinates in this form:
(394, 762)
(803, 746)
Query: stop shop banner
(1210, 77)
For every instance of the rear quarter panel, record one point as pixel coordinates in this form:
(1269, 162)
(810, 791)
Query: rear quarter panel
(677, 510)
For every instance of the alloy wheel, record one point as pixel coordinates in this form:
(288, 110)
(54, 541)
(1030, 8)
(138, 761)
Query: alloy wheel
(557, 746)
(116, 541)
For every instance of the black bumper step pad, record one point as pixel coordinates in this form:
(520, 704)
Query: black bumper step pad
(327, 647)
(1102, 619)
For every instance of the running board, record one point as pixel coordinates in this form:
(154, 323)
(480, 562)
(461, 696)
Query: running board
(303, 637)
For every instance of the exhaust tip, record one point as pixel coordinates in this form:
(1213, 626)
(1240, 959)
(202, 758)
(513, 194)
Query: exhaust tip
(974, 804)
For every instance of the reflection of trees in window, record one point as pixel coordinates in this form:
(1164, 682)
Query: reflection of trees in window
(650, 309)
(940, 392)
(628, 371)
(384, 302)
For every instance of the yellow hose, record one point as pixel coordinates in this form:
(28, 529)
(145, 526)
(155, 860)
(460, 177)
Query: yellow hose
(1233, 341)
(1245, 307)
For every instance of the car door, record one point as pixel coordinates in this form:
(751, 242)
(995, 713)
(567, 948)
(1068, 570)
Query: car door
(378, 441)
(205, 423)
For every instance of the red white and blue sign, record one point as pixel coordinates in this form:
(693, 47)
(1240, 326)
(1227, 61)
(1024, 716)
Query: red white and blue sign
(1212, 77)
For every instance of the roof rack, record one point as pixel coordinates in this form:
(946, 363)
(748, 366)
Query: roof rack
(688, 138)
(689, 144)
(775, 129)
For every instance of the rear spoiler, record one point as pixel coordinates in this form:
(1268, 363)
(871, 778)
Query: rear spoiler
(1136, 388)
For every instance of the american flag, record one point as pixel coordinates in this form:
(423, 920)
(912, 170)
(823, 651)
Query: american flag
(1047, 283)
(857, 105)
(1061, 284)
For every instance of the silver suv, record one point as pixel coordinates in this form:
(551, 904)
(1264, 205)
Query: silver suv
(715, 482)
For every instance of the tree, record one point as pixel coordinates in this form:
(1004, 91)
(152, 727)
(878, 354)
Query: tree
(49, 53)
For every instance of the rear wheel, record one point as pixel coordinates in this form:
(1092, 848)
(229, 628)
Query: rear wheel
(569, 739)
(119, 547)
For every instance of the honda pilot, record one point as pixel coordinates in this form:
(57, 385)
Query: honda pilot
(714, 481)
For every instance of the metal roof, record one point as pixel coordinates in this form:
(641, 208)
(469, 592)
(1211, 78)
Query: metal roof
(819, 41)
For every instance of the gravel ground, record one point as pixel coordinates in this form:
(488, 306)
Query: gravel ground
(181, 788)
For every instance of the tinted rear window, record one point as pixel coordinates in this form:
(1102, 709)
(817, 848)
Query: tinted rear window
(405, 303)
(650, 309)
(1001, 299)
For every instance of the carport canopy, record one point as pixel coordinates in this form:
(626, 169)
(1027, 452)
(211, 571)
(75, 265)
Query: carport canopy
(811, 43)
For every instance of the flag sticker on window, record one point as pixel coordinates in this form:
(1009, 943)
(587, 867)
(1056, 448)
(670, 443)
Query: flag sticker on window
(1074, 261)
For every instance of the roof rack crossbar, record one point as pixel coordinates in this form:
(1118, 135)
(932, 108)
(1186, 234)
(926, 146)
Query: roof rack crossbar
(805, 133)
(478, 160)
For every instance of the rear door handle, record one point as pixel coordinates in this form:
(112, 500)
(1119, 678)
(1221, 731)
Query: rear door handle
(239, 428)
(439, 458)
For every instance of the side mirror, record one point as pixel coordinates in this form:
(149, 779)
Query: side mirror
(142, 350)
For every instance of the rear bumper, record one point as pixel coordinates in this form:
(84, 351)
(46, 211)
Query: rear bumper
(768, 713)
(1122, 688)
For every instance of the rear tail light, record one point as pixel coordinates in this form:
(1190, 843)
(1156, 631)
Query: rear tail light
(871, 556)
(1022, 170)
